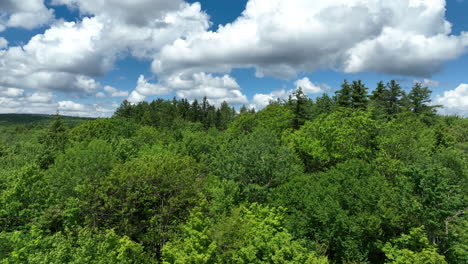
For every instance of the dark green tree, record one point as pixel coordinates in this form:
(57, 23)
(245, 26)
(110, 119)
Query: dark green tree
(419, 100)
(343, 97)
(359, 96)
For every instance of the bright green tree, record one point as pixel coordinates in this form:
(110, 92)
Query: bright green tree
(412, 248)
(253, 234)
(334, 138)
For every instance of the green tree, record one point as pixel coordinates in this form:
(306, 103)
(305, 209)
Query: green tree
(258, 161)
(419, 100)
(412, 248)
(147, 197)
(24, 199)
(125, 110)
(74, 181)
(359, 96)
(334, 138)
(343, 97)
(75, 246)
(253, 234)
(54, 141)
(339, 207)
(394, 103)
(323, 105)
(301, 106)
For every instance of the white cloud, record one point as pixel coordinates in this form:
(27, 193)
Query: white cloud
(283, 38)
(70, 106)
(405, 53)
(119, 28)
(41, 97)
(69, 55)
(216, 88)
(44, 103)
(310, 88)
(454, 101)
(428, 83)
(276, 37)
(146, 88)
(135, 97)
(24, 13)
(11, 92)
(114, 92)
(138, 12)
(193, 86)
(262, 100)
(3, 43)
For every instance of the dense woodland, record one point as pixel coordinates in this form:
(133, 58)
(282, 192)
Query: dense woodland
(357, 177)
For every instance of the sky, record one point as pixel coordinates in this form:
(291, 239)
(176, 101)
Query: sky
(84, 57)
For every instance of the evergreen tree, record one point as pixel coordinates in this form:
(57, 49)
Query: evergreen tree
(394, 99)
(323, 104)
(243, 109)
(419, 99)
(380, 93)
(359, 97)
(124, 110)
(343, 96)
(301, 106)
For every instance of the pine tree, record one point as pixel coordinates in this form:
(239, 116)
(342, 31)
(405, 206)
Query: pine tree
(301, 106)
(359, 97)
(343, 96)
(125, 110)
(243, 109)
(419, 99)
(395, 94)
(379, 95)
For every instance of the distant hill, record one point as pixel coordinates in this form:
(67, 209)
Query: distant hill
(36, 119)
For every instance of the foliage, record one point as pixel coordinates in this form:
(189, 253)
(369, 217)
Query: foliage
(258, 162)
(78, 246)
(333, 138)
(251, 234)
(147, 197)
(412, 248)
(349, 178)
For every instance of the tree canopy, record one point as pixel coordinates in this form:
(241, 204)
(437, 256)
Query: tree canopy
(354, 177)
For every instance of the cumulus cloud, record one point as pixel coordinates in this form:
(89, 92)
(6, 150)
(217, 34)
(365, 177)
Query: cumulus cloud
(110, 91)
(262, 100)
(193, 86)
(310, 88)
(145, 88)
(283, 38)
(119, 27)
(216, 88)
(61, 59)
(454, 101)
(25, 13)
(136, 97)
(114, 92)
(276, 37)
(138, 12)
(44, 102)
(68, 56)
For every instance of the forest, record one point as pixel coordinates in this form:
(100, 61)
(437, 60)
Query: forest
(356, 177)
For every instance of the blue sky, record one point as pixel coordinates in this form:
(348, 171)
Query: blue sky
(243, 52)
